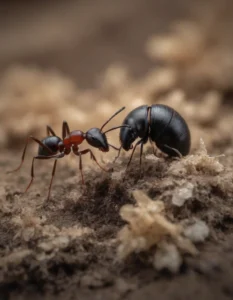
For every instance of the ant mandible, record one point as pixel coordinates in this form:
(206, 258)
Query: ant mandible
(54, 147)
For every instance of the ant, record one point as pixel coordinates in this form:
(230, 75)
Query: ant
(157, 123)
(54, 147)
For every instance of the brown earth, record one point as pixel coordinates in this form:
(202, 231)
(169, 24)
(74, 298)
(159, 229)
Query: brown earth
(66, 248)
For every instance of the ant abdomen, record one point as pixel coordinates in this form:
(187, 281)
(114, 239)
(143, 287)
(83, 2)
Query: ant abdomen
(169, 130)
(50, 142)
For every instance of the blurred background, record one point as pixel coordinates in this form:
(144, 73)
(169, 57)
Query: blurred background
(82, 60)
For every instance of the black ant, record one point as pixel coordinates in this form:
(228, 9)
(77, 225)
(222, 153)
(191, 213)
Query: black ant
(54, 147)
(158, 123)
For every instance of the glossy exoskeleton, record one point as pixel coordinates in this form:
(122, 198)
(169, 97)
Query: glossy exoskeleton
(54, 147)
(160, 124)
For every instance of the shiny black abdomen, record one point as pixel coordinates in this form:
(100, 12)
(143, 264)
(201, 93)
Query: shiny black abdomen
(169, 130)
(52, 143)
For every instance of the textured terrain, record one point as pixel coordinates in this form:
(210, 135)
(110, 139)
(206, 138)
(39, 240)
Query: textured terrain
(73, 246)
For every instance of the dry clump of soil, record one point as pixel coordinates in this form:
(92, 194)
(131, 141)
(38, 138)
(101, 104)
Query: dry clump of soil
(148, 227)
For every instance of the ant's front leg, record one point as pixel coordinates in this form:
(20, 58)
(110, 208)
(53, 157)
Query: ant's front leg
(92, 157)
(76, 152)
(140, 142)
(119, 151)
(114, 147)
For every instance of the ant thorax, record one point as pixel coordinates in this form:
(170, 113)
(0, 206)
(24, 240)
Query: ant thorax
(75, 137)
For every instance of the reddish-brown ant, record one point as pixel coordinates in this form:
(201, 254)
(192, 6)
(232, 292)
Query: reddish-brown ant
(54, 147)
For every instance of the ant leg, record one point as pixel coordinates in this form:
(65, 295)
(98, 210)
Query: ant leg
(80, 163)
(141, 150)
(92, 157)
(65, 129)
(60, 155)
(49, 131)
(32, 175)
(51, 181)
(138, 143)
(175, 150)
(24, 151)
(119, 151)
(81, 167)
(114, 147)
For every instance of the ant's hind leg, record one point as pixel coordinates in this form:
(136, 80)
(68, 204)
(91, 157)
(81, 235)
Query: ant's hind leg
(157, 151)
(60, 155)
(179, 155)
(51, 181)
(24, 151)
(32, 175)
(50, 131)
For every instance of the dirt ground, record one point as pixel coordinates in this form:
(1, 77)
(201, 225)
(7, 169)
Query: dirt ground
(156, 52)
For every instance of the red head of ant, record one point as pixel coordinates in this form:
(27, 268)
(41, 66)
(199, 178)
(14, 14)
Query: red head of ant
(54, 147)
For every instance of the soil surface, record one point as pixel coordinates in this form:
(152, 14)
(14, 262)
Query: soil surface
(67, 247)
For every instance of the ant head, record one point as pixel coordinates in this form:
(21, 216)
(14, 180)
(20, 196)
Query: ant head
(127, 136)
(97, 139)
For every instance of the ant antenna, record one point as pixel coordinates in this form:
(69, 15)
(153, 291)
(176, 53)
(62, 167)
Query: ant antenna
(116, 113)
(113, 128)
